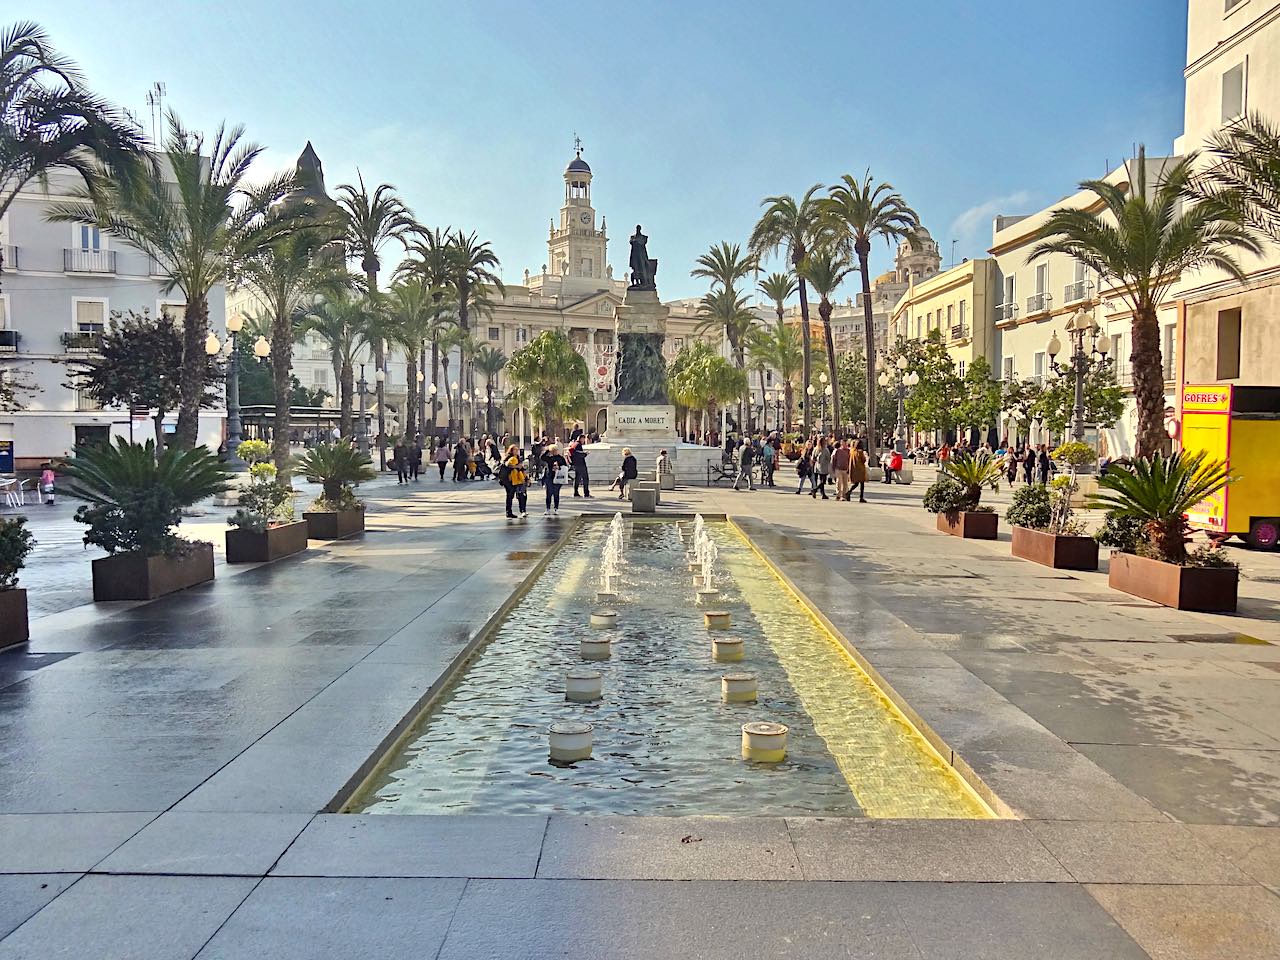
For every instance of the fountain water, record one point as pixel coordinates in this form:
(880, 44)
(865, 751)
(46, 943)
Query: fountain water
(611, 561)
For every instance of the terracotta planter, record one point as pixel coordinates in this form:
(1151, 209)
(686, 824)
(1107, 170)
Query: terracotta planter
(1184, 588)
(283, 540)
(334, 525)
(971, 525)
(1061, 553)
(133, 576)
(13, 617)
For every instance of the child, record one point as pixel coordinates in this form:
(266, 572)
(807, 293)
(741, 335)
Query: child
(47, 479)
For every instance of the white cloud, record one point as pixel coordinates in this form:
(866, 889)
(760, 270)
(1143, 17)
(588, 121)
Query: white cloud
(973, 226)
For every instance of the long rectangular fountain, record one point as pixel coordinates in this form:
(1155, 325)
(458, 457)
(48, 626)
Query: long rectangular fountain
(666, 733)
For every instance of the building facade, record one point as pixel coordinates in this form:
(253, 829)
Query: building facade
(60, 286)
(956, 304)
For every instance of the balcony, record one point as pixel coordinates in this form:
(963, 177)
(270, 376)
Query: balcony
(1039, 303)
(959, 331)
(81, 341)
(88, 261)
(1006, 312)
(10, 257)
(1076, 292)
(154, 269)
(9, 340)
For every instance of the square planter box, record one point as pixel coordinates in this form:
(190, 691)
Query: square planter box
(132, 576)
(1211, 589)
(335, 525)
(971, 525)
(13, 617)
(246, 546)
(1061, 553)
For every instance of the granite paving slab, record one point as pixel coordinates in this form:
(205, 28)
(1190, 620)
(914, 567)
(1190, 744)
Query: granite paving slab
(228, 844)
(63, 842)
(1058, 785)
(23, 894)
(1255, 850)
(1196, 923)
(1163, 853)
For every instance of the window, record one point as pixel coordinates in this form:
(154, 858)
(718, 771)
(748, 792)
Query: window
(1008, 290)
(90, 237)
(494, 333)
(928, 321)
(960, 368)
(1230, 5)
(963, 305)
(319, 377)
(768, 378)
(918, 333)
(522, 334)
(950, 315)
(90, 315)
(1081, 272)
(174, 311)
(1042, 277)
(1008, 368)
(4, 311)
(1039, 367)
(1166, 351)
(586, 267)
(678, 343)
(1233, 92)
(1228, 344)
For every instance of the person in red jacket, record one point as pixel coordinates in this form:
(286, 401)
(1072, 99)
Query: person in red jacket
(892, 467)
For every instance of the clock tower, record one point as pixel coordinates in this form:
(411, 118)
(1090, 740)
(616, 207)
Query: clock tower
(576, 248)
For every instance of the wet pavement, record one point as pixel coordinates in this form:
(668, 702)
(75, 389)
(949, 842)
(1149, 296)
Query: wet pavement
(164, 766)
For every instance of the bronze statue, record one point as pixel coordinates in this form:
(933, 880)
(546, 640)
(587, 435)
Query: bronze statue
(643, 270)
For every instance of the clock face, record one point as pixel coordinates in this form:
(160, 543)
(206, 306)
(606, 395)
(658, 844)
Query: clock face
(584, 217)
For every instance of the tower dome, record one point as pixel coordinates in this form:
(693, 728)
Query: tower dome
(577, 165)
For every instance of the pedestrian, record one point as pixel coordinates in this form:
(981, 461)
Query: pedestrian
(513, 478)
(944, 453)
(1011, 466)
(415, 457)
(840, 461)
(893, 467)
(858, 471)
(768, 456)
(629, 471)
(460, 461)
(48, 481)
(555, 474)
(745, 459)
(804, 467)
(1046, 465)
(821, 469)
(401, 458)
(662, 465)
(578, 460)
(442, 456)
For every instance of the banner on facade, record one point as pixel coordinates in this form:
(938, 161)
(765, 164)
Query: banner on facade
(6, 456)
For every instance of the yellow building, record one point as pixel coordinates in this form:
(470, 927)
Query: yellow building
(958, 303)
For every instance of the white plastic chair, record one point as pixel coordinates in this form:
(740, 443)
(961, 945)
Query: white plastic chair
(12, 491)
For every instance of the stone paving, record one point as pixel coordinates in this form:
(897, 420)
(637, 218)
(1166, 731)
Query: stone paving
(168, 771)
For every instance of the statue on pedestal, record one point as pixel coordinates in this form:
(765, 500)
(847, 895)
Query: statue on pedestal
(644, 271)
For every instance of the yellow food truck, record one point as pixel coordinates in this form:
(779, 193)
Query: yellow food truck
(1240, 425)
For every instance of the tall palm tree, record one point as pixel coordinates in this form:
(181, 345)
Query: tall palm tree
(489, 361)
(1245, 173)
(368, 222)
(48, 119)
(285, 276)
(778, 289)
(826, 268)
(337, 320)
(857, 212)
(198, 226)
(474, 266)
(450, 336)
(432, 259)
(722, 311)
(1143, 240)
(792, 226)
(780, 349)
(548, 374)
(724, 265)
(412, 309)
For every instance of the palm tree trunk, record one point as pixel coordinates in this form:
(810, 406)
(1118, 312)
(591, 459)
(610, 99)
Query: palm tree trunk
(804, 339)
(824, 309)
(488, 406)
(281, 366)
(346, 398)
(195, 327)
(448, 393)
(159, 422)
(1148, 382)
(863, 248)
(435, 370)
(787, 402)
(411, 396)
(764, 405)
(379, 363)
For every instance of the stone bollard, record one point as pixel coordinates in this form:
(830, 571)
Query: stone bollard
(738, 688)
(727, 649)
(583, 686)
(570, 741)
(764, 742)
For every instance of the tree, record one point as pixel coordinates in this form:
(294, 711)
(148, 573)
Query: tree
(722, 311)
(138, 364)
(489, 361)
(337, 319)
(700, 379)
(981, 404)
(1019, 399)
(1144, 240)
(857, 212)
(792, 226)
(826, 268)
(853, 397)
(475, 268)
(1245, 174)
(724, 265)
(432, 259)
(935, 402)
(551, 375)
(1103, 400)
(48, 119)
(411, 309)
(199, 226)
(368, 222)
(779, 348)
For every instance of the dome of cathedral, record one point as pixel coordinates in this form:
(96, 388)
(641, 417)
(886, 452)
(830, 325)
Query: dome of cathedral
(577, 165)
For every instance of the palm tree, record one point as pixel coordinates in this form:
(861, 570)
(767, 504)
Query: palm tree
(857, 212)
(826, 268)
(724, 265)
(198, 226)
(285, 276)
(722, 311)
(1143, 240)
(474, 263)
(1245, 174)
(792, 226)
(550, 375)
(779, 348)
(337, 319)
(368, 222)
(432, 258)
(412, 309)
(778, 288)
(48, 119)
(450, 336)
(489, 361)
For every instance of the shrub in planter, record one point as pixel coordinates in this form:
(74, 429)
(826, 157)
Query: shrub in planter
(15, 543)
(264, 525)
(1030, 507)
(955, 496)
(133, 502)
(337, 467)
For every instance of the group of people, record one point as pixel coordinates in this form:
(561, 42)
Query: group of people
(824, 462)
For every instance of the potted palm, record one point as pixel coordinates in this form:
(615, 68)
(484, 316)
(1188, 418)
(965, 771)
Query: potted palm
(15, 543)
(955, 497)
(1044, 530)
(337, 467)
(264, 527)
(133, 501)
(1146, 503)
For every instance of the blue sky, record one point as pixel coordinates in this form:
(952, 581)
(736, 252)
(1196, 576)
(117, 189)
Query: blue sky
(690, 113)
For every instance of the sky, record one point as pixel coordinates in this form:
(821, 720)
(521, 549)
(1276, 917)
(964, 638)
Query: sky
(689, 112)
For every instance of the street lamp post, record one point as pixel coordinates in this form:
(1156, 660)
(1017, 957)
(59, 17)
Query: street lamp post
(1080, 327)
(826, 399)
(454, 388)
(435, 409)
(809, 392)
(903, 379)
(465, 414)
(777, 412)
(213, 347)
(422, 402)
(380, 377)
(362, 426)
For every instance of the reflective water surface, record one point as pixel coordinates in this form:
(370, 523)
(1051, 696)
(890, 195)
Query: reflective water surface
(665, 744)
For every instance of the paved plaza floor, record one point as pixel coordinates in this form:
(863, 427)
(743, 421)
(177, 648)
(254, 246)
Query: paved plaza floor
(169, 771)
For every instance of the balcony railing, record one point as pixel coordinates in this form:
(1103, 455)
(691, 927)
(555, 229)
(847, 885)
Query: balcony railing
(88, 261)
(10, 257)
(1169, 372)
(1006, 311)
(959, 331)
(81, 341)
(154, 269)
(9, 340)
(1039, 303)
(1075, 292)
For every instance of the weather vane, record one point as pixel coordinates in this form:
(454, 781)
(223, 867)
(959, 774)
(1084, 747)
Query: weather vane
(577, 143)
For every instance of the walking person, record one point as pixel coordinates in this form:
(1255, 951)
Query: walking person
(555, 474)
(840, 461)
(1045, 464)
(442, 457)
(48, 481)
(804, 467)
(578, 460)
(415, 458)
(858, 471)
(401, 456)
(768, 456)
(1029, 464)
(513, 478)
(460, 461)
(821, 468)
(745, 459)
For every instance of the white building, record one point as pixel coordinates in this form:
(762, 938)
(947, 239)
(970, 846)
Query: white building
(60, 286)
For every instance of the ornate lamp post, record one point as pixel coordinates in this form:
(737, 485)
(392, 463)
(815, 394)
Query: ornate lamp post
(465, 414)
(1080, 327)
(768, 402)
(422, 404)
(826, 399)
(435, 409)
(362, 425)
(903, 379)
(235, 323)
(777, 412)
(380, 376)
(809, 392)
(454, 387)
